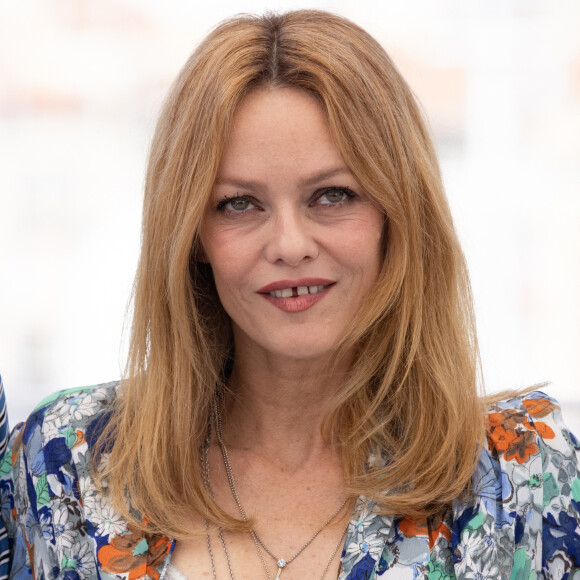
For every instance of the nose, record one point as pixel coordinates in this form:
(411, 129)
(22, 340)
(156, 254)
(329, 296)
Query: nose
(291, 239)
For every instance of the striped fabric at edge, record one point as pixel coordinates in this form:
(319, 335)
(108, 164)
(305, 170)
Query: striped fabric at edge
(4, 543)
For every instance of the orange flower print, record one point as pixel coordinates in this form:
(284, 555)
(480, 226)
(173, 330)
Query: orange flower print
(539, 407)
(137, 553)
(512, 434)
(411, 527)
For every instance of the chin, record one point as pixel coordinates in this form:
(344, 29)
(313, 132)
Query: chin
(304, 352)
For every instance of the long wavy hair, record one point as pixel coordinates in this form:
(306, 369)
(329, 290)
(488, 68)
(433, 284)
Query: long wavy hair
(410, 402)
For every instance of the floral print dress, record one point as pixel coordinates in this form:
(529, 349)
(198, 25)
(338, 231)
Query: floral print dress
(523, 521)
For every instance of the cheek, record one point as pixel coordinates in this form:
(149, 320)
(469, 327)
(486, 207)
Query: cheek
(219, 253)
(364, 248)
(230, 266)
(226, 277)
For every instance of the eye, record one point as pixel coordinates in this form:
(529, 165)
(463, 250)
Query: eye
(238, 203)
(334, 195)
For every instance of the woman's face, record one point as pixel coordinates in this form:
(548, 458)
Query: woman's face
(292, 239)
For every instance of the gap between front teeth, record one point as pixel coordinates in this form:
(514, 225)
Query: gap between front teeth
(300, 291)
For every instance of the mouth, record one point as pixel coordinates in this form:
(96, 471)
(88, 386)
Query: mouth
(294, 288)
(296, 291)
(295, 296)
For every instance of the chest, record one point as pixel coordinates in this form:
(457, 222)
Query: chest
(225, 554)
(242, 556)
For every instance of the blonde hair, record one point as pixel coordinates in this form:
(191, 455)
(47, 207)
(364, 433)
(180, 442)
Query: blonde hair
(411, 398)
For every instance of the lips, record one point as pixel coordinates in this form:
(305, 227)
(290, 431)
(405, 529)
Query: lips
(296, 295)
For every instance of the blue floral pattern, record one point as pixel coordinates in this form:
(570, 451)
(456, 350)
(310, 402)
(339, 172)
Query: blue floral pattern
(522, 520)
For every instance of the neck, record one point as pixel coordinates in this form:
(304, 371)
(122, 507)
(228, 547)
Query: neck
(276, 407)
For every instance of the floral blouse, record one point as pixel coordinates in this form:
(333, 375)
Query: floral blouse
(523, 521)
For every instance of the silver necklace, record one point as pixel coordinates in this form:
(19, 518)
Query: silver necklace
(280, 562)
(207, 483)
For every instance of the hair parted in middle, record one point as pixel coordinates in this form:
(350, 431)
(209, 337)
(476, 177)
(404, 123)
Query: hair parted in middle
(410, 402)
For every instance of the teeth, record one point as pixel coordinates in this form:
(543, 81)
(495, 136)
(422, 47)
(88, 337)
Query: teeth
(300, 291)
(286, 293)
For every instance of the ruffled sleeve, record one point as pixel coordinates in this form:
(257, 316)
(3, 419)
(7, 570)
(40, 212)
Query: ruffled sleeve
(526, 517)
(23, 497)
(59, 525)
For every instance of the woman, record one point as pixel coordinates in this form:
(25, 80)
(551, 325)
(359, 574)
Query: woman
(300, 399)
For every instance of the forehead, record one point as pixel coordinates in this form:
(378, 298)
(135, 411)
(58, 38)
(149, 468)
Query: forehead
(277, 128)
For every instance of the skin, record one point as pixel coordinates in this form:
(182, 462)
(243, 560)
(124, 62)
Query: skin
(285, 207)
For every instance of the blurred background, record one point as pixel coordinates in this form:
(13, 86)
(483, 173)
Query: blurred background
(81, 84)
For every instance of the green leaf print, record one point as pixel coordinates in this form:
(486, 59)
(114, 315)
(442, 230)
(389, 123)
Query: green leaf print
(6, 465)
(67, 564)
(42, 495)
(141, 548)
(71, 437)
(551, 489)
(59, 394)
(522, 569)
(576, 489)
(436, 570)
(477, 521)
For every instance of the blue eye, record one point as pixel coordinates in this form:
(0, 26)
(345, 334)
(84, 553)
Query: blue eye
(235, 204)
(332, 196)
(335, 195)
(239, 204)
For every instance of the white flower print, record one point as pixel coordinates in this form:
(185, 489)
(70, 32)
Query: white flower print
(102, 514)
(476, 547)
(364, 516)
(372, 544)
(489, 571)
(76, 407)
(79, 405)
(482, 555)
(111, 523)
(63, 526)
(53, 426)
(82, 558)
(86, 487)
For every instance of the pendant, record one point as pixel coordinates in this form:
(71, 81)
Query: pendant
(281, 563)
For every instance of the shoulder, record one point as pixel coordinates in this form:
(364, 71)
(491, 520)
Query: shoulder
(72, 407)
(61, 420)
(44, 477)
(520, 428)
(54, 442)
(522, 517)
(526, 490)
(66, 415)
(57, 433)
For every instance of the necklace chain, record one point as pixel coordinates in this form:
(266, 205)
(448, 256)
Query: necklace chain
(280, 562)
(207, 483)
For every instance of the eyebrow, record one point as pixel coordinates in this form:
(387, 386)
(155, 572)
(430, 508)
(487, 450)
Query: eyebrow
(314, 179)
